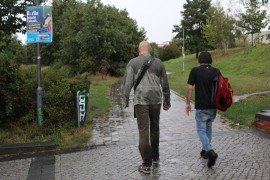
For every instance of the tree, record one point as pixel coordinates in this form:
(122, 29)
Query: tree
(252, 20)
(71, 25)
(262, 2)
(194, 18)
(94, 36)
(155, 49)
(240, 35)
(218, 28)
(11, 16)
(49, 50)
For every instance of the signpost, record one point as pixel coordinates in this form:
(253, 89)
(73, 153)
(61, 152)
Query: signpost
(39, 30)
(82, 99)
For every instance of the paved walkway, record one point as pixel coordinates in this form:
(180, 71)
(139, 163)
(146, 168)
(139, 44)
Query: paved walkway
(113, 151)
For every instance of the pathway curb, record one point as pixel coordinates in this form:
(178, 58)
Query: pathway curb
(26, 147)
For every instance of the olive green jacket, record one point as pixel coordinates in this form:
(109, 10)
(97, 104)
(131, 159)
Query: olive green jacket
(153, 88)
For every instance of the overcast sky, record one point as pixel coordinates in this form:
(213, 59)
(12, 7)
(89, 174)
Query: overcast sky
(157, 17)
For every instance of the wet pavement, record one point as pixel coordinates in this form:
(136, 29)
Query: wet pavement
(113, 151)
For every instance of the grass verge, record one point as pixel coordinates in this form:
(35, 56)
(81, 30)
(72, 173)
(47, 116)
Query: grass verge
(247, 70)
(243, 112)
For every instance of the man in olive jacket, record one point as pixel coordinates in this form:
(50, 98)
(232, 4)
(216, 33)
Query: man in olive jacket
(151, 92)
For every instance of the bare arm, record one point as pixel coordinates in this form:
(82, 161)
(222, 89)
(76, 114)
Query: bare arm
(189, 94)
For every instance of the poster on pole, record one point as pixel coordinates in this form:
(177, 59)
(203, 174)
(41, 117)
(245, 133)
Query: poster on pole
(39, 24)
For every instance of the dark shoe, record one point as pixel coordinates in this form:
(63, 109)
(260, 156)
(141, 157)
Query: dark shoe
(204, 154)
(144, 169)
(155, 161)
(212, 158)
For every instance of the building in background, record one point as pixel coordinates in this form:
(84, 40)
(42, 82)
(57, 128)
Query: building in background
(261, 38)
(166, 43)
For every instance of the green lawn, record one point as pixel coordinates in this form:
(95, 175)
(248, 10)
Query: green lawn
(247, 70)
(99, 98)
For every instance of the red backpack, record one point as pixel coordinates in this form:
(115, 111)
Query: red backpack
(222, 92)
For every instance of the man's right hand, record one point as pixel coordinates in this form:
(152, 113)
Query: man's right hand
(166, 106)
(188, 109)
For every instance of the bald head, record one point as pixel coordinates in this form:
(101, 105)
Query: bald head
(144, 48)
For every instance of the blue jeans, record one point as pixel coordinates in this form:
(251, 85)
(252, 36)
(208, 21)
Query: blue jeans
(204, 119)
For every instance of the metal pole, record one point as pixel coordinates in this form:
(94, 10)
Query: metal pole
(183, 51)
(39, 88)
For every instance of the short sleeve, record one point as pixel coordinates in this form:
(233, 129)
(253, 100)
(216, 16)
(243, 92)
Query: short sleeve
(192, 77)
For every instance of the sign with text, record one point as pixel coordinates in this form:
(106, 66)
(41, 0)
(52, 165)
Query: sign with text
(39, 24)
(82, 99)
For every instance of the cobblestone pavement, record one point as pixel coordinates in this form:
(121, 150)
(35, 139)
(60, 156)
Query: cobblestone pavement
(113, 151)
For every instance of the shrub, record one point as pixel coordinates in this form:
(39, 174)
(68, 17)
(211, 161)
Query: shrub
(59, 96)
(27, 95)
(10, 83)
(59, 92)
(169, 52)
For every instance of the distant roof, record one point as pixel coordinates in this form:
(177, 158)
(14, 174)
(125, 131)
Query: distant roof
(167, 43)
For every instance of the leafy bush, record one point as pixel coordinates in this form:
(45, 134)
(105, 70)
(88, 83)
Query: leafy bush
(59, 96)
(169, 52)
(27, 95)
(10, 83)
(59, 92)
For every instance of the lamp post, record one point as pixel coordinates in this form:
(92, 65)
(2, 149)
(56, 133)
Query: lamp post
(183, 50)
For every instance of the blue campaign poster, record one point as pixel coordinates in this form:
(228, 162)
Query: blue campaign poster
(39, 24)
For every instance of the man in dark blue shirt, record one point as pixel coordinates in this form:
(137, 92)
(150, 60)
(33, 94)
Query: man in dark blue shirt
(202, 77)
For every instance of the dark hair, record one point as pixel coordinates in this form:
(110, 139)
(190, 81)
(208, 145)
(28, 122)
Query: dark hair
(205, 57)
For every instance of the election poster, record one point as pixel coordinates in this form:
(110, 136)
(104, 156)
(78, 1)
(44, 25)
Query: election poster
(39, 24)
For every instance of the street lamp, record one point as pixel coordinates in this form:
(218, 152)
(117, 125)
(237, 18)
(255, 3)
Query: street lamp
(183, 50)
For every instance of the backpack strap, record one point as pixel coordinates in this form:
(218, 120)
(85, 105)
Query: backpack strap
(144, 68)
(218, 72)
(214, 87)
(146, 65)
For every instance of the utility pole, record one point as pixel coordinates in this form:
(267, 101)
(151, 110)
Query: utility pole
(183, 50)
(39, 88)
